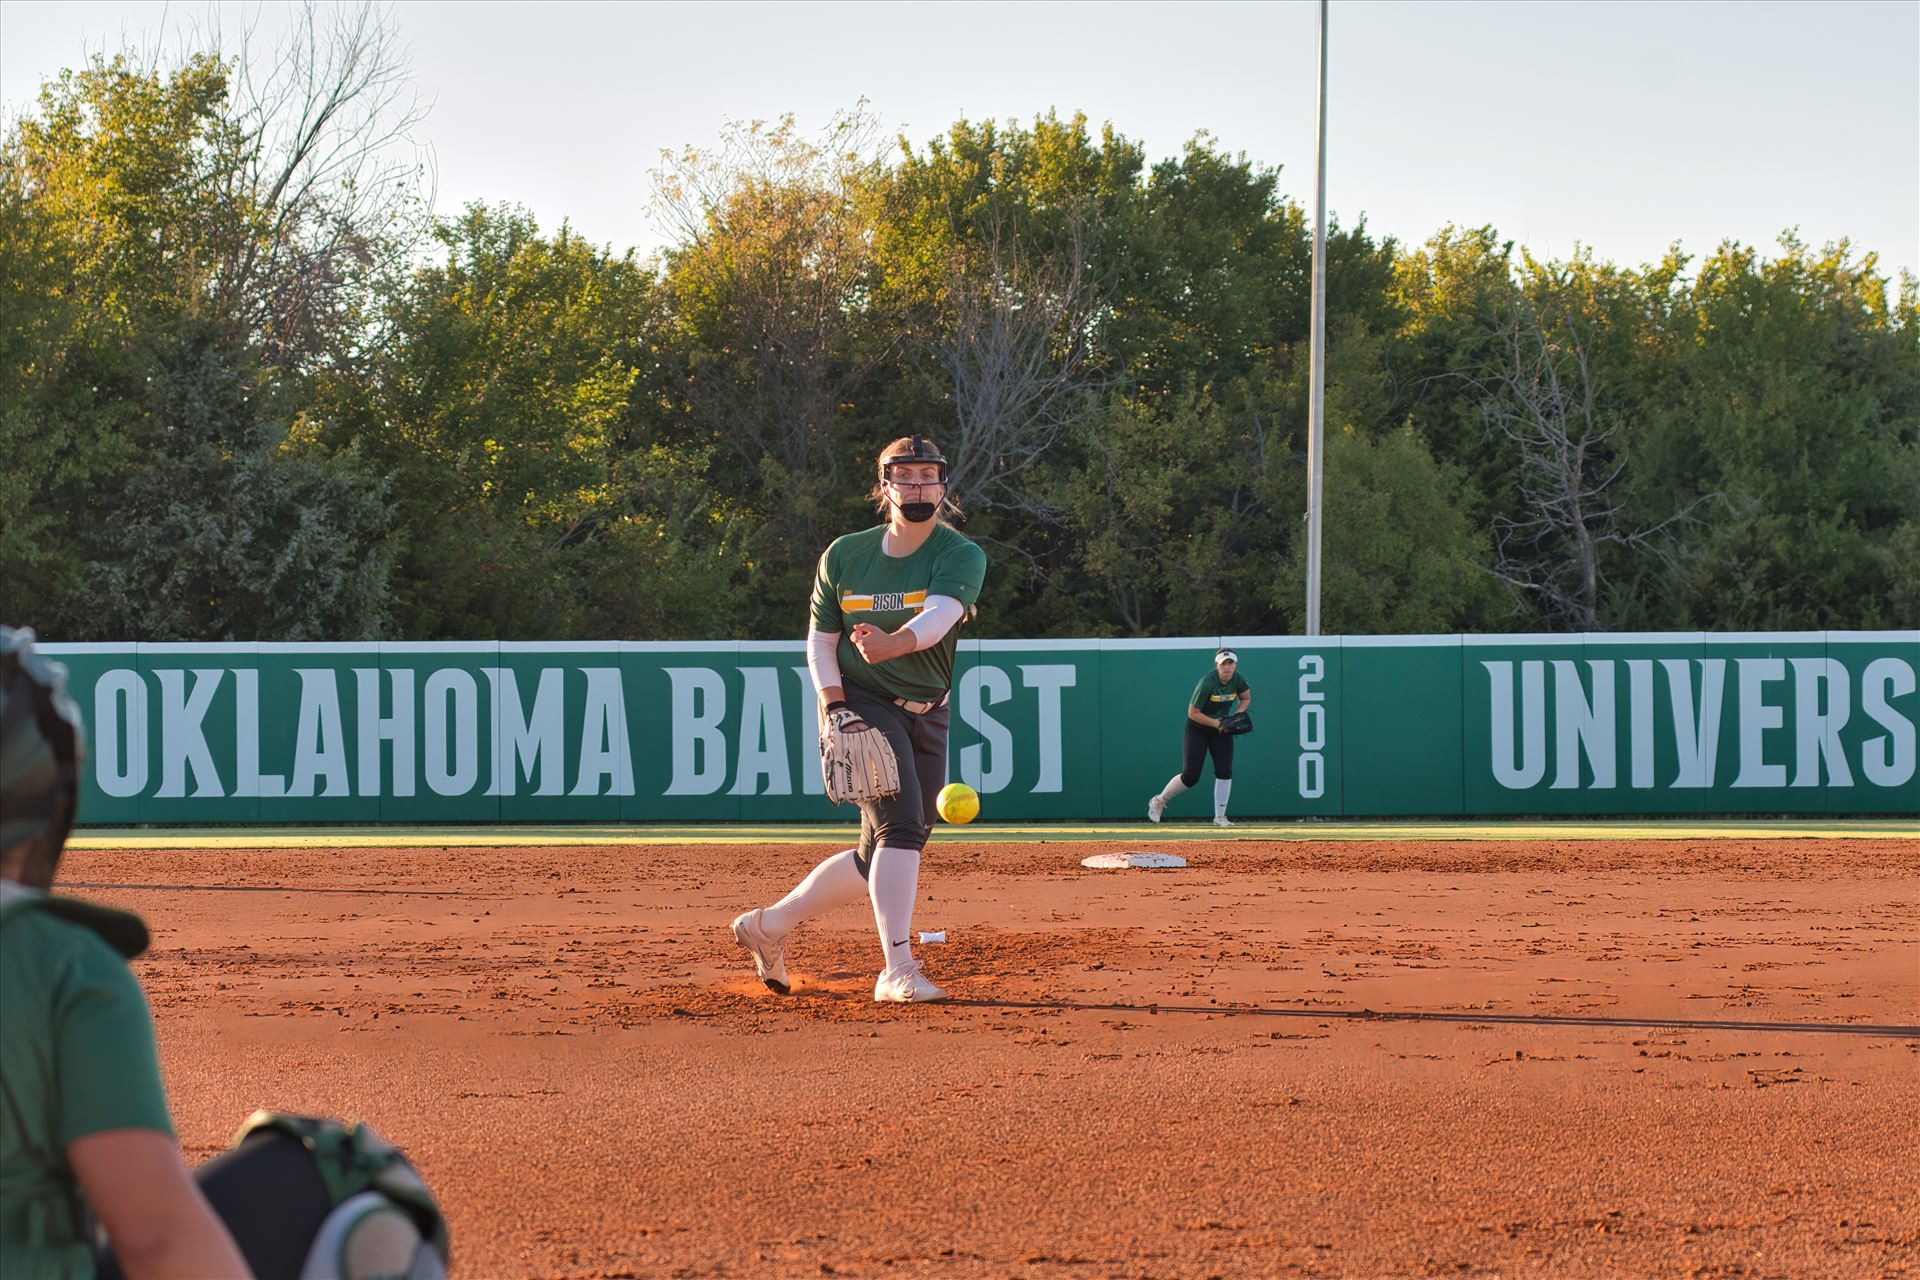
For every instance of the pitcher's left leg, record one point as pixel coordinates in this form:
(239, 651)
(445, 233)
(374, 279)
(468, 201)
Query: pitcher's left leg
(896, 865)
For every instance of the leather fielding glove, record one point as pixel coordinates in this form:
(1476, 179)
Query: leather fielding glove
(856, 763)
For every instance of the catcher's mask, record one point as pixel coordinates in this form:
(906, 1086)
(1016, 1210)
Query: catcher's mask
(40, 751)
(914, 449)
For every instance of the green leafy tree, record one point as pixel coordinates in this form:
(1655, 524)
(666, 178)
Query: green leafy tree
(229, 529)
(1401, 554)
(235, 402)
(146, 423)
(532, 500)
(1792, 390)
(1159, 318)
(765, 347)
(996, 251)
(1453, 295)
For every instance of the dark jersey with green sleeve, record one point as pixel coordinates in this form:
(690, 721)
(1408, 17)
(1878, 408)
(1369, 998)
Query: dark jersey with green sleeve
(1214, 698)
(858, 581)
(76, 1058)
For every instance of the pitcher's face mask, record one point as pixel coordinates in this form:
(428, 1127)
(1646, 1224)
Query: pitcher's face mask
(916, 489)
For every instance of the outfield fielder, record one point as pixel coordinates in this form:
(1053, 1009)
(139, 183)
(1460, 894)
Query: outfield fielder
(887, 604)
(1219, 700)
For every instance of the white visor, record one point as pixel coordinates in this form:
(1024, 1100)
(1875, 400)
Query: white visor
(1225, 655)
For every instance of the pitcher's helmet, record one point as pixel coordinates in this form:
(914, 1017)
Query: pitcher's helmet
(912, 449)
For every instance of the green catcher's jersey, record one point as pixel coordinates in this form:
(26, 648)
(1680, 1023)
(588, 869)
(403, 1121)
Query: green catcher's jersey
(76, 1058)
(858, 582)
(1216, 699)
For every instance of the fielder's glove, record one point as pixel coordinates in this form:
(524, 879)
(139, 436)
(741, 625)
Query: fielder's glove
(1236, 722)
(856, 761)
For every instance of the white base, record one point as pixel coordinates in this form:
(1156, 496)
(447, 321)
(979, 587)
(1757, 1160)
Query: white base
(1136, 858)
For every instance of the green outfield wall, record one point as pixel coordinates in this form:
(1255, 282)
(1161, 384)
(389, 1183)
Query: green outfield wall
(1786, 723)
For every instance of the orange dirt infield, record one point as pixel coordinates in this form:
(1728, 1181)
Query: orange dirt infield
(1662, 1058)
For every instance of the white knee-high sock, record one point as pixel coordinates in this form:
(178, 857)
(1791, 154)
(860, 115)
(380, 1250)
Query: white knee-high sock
(894, 880)
(834, 883)
(1222, 788)
(1173, 788)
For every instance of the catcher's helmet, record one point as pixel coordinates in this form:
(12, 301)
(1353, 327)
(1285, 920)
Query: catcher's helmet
(912, 449)
(40, 744)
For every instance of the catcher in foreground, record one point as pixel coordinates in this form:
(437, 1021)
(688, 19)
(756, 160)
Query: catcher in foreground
(1216, 714)
(86, 1136)
(887, 604)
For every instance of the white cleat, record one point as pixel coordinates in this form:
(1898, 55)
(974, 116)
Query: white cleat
(1156, 809)
(905, 984)
(1223, 821)
(769, 952)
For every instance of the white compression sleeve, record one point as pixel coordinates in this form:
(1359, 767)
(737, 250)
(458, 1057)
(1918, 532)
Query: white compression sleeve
(823, 658)
(935, 619)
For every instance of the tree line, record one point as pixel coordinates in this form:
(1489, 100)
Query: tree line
(252, 389)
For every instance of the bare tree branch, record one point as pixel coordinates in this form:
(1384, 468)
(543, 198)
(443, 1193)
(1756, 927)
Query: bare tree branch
(331, 192)
(1547, 396)
(1016, 354)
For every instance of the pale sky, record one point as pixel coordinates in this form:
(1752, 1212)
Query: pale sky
(1621, 125)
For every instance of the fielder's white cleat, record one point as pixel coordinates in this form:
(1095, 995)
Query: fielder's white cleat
(769, 952)
(905, 984)
(1223, 821)
(1156, 807)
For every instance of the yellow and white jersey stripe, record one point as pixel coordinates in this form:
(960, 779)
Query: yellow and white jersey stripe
(881, 601)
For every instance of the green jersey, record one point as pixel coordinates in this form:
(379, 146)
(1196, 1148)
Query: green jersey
(859, 582)
(1214, 698)
(76, 1058)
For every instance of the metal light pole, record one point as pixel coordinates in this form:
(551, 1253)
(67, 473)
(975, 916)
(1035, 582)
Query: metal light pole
(1317, 377)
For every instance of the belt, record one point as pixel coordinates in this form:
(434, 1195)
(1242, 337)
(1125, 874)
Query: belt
(921, 708)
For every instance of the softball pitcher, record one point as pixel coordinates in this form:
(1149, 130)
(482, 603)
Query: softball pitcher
(884, 624)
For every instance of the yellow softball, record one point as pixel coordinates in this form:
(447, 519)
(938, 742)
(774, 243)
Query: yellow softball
(958, 802)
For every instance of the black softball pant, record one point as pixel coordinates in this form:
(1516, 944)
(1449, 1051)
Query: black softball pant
(919, 742)
(1200, 743)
